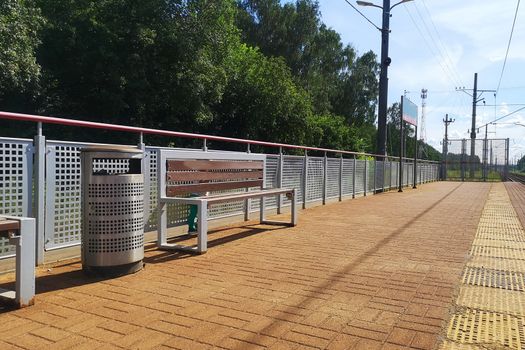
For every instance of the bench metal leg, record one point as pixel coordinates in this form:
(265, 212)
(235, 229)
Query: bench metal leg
(202, 239)
(202, 230)
(247, 204)
(262, 210)
(162, 224)
(25, 263)
(24, 238)
(294, 208)
(293, 220)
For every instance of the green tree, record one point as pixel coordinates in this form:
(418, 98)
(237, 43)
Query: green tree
(425, 151)
(521, 164)
(261, 100)
(280, 30)
(153, 63)
(20, 21)
(338, 81)
(356, 99)
(329, 131)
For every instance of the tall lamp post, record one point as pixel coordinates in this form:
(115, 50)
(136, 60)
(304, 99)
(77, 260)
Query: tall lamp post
(383, 76)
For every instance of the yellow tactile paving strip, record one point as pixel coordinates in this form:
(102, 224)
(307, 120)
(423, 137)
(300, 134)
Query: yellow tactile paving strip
(486, 277)
(490, 307)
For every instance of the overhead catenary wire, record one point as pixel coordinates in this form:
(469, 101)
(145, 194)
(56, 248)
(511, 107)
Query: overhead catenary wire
(508, 46)
(362, 15)
(505, 116)
(434, 52)
(440, 40)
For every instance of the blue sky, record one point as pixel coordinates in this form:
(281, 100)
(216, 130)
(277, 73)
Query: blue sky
(439, 45)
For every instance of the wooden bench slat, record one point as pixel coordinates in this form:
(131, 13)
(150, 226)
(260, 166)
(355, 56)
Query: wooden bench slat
(208, 176)
(173, 190)
(7, 225)
(174, 165)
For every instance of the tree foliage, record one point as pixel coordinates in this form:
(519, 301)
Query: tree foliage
(20, 21)
(520, 166)
(255, 69)
(154, 63)
(261, 100)
(394, 137)
(339, 81)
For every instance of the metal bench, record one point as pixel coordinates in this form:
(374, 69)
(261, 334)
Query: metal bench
(20, 232)
(189, 172)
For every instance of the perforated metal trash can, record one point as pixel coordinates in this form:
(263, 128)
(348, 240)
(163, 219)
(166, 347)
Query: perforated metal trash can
(112, 210)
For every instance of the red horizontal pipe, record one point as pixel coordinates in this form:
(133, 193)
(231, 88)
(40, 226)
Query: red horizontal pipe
(138, 130)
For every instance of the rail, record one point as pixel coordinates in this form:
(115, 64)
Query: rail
(516, 177)
(141, 130)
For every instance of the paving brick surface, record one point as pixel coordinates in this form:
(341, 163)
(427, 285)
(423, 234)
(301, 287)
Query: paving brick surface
(516, 193)
(372, 273)
(490, 307)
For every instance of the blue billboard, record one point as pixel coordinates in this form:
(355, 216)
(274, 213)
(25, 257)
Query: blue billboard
(409, 112)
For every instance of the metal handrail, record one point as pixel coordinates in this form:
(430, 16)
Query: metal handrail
(141, 130)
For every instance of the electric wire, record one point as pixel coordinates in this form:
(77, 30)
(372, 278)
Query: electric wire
(505, 116)
(447, 73)
(440, 40)
(438, 49)
(361, 13)
(508, 46)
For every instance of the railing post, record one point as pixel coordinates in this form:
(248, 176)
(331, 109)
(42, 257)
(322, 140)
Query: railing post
(390, 176)
(325, 177)
(463, 151)
(375, 176)
(400, 173)
(39, 144)
(147, 184)
(305, 178)
(280, 179)
(414, 172)
(365, 177)
(506, 169)
(354, 176)
(341, 178)
(247, 202)
(205, 145)
(384, 175)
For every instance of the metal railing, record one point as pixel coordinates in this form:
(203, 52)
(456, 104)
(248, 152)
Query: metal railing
(41, 178)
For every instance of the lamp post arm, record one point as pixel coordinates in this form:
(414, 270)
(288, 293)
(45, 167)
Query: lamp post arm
(399, 3)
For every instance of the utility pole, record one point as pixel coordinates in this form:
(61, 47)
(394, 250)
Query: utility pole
(383, 80)
(423, 117)
(383, 75)
(445, 145)
(473, 129)
(485, 154)
(475, 100)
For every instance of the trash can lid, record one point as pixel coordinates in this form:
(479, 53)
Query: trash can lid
(111, 148)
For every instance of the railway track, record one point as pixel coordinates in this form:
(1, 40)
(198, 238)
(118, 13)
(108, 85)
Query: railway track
(516, 177)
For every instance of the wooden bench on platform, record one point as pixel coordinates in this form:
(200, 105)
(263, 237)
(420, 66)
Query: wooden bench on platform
(182, 173)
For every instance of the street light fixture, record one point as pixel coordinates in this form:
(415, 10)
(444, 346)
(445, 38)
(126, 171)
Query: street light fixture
(366, 3)
(383, 76)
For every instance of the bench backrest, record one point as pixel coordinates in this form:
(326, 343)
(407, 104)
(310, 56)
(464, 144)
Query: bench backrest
(210, 171)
